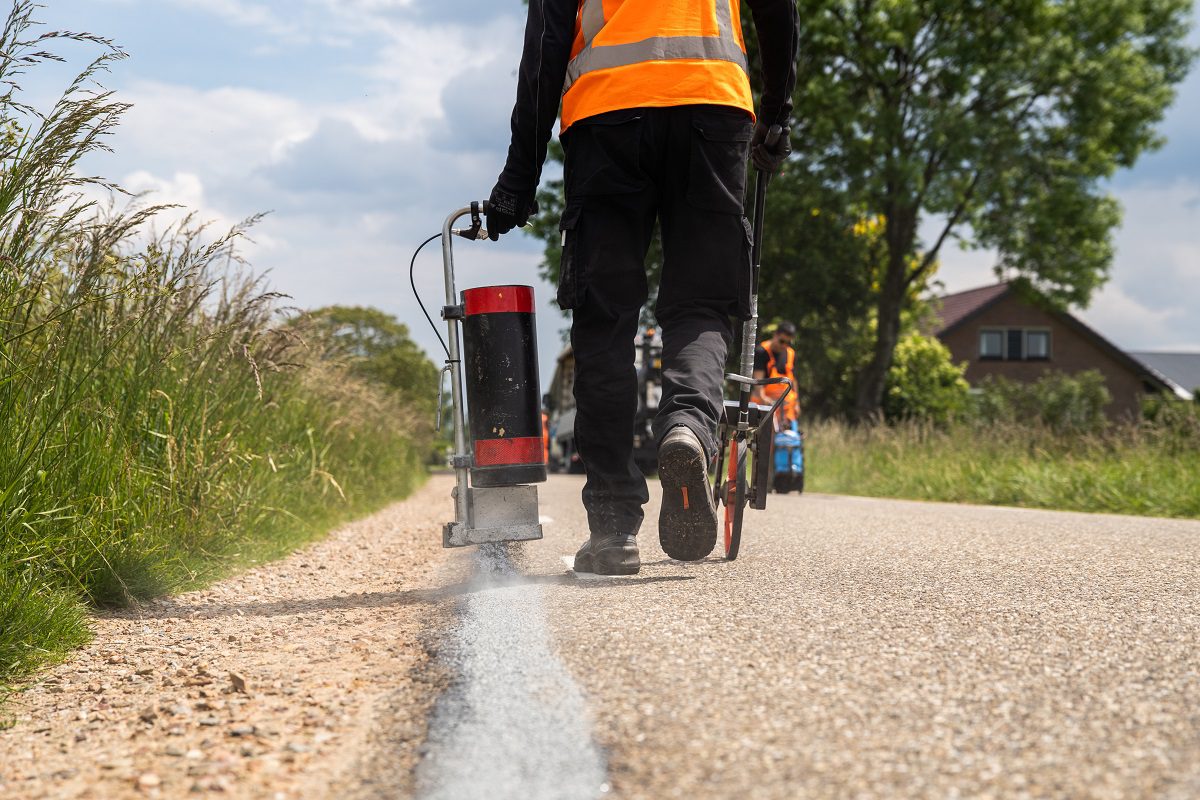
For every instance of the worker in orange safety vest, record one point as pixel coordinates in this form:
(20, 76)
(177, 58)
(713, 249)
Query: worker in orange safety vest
(658, 123)
(775, 358)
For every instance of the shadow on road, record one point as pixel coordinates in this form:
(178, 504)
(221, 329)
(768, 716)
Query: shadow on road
(670, 562)
(174, 609)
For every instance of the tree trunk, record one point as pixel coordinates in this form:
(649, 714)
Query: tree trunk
(872, 380)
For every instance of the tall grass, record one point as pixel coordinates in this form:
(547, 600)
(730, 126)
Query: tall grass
(159, 419)
(1148, 469)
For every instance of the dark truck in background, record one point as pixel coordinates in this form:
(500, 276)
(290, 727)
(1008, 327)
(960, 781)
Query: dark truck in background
(560, 405)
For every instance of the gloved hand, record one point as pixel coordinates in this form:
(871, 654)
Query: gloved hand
(770, 146)
(507, 210)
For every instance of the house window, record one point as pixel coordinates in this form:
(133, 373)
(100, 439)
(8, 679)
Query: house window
(1037, 345)
(991, 345)
(1014, 344)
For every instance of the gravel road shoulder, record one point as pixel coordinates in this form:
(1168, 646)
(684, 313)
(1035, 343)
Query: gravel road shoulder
(287, 681)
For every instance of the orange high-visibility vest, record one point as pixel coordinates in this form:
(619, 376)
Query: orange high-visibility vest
(634, 53)
(791, 406)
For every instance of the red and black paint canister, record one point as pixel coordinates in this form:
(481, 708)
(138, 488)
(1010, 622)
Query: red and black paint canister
(503, 390)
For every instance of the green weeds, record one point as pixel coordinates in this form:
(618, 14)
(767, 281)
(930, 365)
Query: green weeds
(1150, 469)
(160, 420)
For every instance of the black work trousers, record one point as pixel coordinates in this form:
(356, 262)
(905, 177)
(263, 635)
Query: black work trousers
(684, 167)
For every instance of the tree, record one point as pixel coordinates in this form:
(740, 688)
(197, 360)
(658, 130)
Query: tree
(820, 260)
(380, 350)
(998, 118)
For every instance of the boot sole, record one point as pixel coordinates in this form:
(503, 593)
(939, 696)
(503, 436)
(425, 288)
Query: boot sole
(687, 523)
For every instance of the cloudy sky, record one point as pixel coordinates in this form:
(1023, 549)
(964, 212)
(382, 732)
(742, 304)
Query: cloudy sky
(360, 123)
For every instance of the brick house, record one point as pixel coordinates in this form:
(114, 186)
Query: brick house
(999, 332)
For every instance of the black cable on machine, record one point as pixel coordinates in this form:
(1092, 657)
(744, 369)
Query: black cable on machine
(412, 266)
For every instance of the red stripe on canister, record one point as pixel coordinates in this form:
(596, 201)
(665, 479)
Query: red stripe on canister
(498, 299)
(505, 452)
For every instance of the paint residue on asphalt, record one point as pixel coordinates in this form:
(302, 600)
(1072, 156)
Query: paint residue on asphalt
(515, 725)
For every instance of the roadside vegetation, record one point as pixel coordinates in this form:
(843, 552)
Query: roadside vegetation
(1041, 445)
(162, 419)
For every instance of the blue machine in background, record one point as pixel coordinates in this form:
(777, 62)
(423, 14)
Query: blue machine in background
(789, 460)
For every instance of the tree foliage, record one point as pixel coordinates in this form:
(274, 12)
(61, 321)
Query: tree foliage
(379, 349)
(999, 119)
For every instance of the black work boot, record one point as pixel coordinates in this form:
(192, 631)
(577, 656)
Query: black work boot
(614, 554)
(687, 523)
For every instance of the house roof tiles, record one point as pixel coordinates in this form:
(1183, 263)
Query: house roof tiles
(957, 307)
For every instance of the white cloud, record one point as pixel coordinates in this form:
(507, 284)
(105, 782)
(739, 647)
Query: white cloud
(185, 190)
(220, 130)
(1153, 300)
(1123, 320)
(356, 180)
(238, 12)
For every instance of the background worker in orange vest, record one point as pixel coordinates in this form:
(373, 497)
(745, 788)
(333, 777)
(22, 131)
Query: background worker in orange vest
(775, 358)
(657, 124)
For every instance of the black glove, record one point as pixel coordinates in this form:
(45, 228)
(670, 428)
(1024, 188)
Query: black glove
(507, 210)
(770, 146)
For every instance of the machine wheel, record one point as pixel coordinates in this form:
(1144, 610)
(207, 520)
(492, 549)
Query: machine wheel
(782, 482)
(798, 483)
(735, 497)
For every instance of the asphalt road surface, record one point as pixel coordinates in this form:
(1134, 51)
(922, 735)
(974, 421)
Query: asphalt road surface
(857, 648)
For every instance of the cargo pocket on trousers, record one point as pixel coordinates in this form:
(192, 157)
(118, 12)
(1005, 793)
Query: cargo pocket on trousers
(745, 280)
(720, 150)
(570, 281)
(603, 155)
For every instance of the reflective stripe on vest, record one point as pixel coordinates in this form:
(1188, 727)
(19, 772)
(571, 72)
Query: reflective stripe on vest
(594, 56)
(723, 47)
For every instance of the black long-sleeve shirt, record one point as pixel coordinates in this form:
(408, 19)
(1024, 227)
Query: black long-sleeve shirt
(549, 34)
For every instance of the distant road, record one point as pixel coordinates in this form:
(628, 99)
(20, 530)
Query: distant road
(876, 648)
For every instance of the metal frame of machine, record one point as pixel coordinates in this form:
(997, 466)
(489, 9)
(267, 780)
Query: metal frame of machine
(747, 427)
(482, 515)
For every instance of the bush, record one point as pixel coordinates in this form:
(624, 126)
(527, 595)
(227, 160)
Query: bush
(923, 383)
(1063, 403)
(1174, 423)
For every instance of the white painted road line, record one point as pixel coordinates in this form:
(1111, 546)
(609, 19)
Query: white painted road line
(515, 724)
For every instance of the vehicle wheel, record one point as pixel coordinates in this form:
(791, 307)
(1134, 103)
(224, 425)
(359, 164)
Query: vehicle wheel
(782, 483)
(798, 483)
(735, 499)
